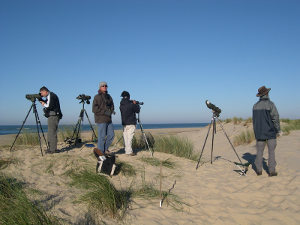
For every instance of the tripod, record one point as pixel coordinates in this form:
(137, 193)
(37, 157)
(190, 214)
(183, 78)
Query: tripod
(143, 134)
(213, 122)
(75, 136)
(38, 126)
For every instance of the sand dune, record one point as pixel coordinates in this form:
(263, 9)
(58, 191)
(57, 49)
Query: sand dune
(214, 194)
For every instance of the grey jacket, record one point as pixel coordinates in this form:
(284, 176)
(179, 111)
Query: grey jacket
(103, 107)
(265, 117)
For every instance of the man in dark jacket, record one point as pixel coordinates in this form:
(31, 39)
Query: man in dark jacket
(53, 113)
(103, 108)
(128, 110)
(266, 127)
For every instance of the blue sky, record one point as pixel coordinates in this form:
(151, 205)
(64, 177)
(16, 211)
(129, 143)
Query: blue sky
(173, 55)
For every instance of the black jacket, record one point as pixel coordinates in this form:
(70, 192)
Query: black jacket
(265, 117)
(128, 111)
(54, 106)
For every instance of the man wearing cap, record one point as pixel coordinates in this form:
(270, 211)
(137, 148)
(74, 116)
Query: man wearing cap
(128, 110)
(103, 108)
(266, 127)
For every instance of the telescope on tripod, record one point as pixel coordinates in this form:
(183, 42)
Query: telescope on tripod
(33, 98)
(75, 139)
(215, 117)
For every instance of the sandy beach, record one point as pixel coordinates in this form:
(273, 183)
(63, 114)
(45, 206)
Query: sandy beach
(213, 194)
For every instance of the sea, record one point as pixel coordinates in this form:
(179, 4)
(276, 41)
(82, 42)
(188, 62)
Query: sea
(14, 129)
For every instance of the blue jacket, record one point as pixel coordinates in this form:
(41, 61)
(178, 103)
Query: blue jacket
(265, 118)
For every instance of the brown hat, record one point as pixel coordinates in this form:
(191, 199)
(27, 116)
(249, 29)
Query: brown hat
(262, 91)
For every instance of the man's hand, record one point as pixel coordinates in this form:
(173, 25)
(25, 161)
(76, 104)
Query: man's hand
(279, 134)
(133, 101)
(43, 103)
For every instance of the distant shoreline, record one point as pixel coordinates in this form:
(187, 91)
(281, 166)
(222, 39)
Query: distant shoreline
(14, 129)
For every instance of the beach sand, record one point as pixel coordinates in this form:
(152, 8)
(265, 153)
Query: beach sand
(213, 194)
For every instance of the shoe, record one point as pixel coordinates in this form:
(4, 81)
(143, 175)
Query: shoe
(273, 174)
(258, 173)
(132, 154)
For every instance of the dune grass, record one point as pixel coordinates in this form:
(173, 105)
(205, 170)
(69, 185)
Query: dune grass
(29, 139)
(246, 137)
(178, 146)
(17, 209)
(125, 169)
(65, 132)
(290, 125)
(6, 162)
(156, 162)
(102, 196)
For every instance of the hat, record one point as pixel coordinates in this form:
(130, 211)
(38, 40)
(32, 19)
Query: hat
(262, 91)
(102, 83)
(125, 94)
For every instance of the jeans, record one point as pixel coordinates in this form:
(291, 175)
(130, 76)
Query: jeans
(106, 136)
(128, 133)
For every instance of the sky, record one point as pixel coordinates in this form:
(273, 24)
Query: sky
(170, 54)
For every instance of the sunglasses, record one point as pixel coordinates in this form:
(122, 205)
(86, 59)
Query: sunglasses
(104, 86)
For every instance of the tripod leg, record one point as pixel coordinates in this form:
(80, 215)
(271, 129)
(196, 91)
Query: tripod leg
(212, 140)
(145, 138)
(203, 145)
(39, 122)
(243, 171)
(20, 128)
(37, 127)
(90, 124)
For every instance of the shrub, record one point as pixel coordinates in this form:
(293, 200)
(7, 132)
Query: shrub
(245, 137)
(177, 146)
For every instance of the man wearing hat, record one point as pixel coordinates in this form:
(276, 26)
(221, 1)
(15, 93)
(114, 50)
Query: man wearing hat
(103, 108)
(128, 110)
(266, 127)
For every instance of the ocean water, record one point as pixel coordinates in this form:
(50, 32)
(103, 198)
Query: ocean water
(14, 129)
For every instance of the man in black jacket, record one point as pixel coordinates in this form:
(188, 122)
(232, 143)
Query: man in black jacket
(128, 110)
(266, 127)
(53, 113)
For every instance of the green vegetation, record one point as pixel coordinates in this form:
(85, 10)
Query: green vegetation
(6, 162)
(177, 146)
(237, 120)
(125, 169)
(245, 137)
(290, 125)
(156, 162)
(65, 132)
(17, 209)
(102, 196)
(27, 138)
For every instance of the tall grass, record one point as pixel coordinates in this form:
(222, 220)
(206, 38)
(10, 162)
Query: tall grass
(102, 196)
(237, 120)
(178, 146)
(17, 209)
(125, 169)
(65, 132)
(290, 125)
(156, 162)
(30, 139)
(138, 141)
(245, 137)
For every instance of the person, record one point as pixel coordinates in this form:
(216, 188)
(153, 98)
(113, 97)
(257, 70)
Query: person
(103, 108)
(53, 112)
(266, 127)
(128, 114)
